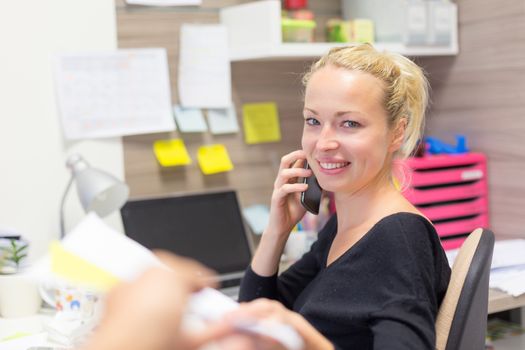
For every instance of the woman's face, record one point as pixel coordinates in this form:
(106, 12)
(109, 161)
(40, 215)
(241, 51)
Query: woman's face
(346, 135)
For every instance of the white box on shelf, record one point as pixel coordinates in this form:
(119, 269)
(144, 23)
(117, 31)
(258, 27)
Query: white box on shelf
(253, 25)
(388, 16)
(442, 22)
(416, 23)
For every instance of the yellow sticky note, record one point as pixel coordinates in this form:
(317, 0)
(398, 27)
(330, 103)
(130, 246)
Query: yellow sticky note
(78, 270)
(171, 152)
(214, 159)
(261, 123)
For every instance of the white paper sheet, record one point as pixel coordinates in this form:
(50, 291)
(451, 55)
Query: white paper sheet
(223, 121)
(509, 279)
(98, 243)
(189, 119)
(165, 2)
(113, 93)
(211, 305)
(204, 67)
(507, 268)
(509, 253)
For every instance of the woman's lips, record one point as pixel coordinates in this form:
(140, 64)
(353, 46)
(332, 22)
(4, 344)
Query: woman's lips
(332, 168)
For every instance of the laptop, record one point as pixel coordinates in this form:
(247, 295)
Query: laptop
(207, 227)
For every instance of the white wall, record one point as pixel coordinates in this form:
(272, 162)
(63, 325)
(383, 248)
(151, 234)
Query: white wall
(32, 149)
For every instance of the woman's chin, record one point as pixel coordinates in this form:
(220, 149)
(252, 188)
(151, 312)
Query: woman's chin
(330, 187)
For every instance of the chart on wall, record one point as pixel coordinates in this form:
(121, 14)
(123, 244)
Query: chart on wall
(113, 93)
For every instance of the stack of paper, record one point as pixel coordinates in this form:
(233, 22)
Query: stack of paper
(508, 266)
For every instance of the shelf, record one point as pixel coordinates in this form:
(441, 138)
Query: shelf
(254, 33)
(287, 51)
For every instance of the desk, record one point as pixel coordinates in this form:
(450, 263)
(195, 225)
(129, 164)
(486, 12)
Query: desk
(500, 301)
(30, 325)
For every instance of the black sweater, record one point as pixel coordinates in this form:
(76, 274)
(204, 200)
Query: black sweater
(382, 293)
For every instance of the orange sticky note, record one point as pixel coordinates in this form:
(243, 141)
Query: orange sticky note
(261, 123)
(171, 152)
(214, 159)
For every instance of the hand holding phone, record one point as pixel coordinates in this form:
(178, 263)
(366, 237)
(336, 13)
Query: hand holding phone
(311, 198)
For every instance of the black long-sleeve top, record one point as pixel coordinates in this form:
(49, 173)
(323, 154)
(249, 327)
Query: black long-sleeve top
(382, 293)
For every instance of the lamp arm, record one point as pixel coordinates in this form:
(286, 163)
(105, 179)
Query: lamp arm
(62, 202)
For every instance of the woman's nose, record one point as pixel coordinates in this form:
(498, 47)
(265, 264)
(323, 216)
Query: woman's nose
(327, 139)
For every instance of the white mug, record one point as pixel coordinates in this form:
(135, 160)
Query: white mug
(19, 296)
(71, 302)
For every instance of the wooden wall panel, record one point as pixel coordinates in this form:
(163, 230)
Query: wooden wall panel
(481, 93)
(481, 10)
(255, 165)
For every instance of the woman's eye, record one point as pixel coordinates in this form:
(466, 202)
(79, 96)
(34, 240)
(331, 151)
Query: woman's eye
(351, 124)
(311, 121)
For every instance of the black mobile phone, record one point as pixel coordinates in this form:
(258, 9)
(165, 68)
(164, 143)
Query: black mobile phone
(311, 198)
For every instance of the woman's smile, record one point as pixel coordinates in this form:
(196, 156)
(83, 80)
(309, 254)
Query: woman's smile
(333, 167)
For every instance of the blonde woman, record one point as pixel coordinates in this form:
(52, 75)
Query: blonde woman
(377, 274)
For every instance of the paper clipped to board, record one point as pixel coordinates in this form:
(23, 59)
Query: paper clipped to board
(214, 159)
(261, 123)
(171, 152)
(204, 79)
(223, 121)
(189, 119)
(113, 93)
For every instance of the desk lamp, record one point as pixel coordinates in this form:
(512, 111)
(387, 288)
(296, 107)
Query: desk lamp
(97, 190)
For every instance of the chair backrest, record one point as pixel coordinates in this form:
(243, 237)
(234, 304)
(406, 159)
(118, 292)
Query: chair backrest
(461, 323)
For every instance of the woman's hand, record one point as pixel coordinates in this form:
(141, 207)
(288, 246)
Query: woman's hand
(264, 310)
(286, 209)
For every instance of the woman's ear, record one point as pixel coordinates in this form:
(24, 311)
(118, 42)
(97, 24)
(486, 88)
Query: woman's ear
(398, 135)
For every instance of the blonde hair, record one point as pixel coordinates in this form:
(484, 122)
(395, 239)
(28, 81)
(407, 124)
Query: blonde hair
(405, 86)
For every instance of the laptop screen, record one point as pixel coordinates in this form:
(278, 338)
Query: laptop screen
(207, 227)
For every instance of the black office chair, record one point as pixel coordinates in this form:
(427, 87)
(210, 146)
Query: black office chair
(462, 319)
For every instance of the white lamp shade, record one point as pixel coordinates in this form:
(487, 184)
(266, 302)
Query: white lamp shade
(100, 192)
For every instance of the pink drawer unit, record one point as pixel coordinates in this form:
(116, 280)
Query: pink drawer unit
(418, 196)
(474, 206)
(461, 225)
(443, 169)
(445, 161)
(443, 176)
(451, 190)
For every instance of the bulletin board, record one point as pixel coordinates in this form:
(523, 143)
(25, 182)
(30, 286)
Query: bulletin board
(255, 166)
